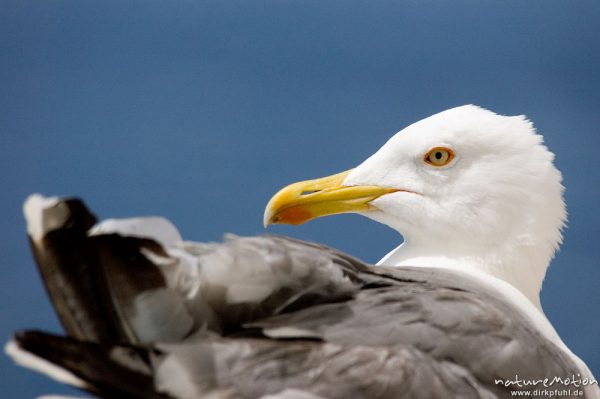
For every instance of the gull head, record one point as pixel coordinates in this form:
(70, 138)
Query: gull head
(465, 187)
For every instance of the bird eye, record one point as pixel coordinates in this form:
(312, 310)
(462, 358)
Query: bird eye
(439, 156)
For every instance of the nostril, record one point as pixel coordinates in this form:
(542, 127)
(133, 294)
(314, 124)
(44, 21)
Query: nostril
(308, 192)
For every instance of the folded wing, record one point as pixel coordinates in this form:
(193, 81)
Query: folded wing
(264, 317)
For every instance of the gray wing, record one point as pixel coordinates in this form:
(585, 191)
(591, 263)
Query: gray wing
(444, 317)
(111, 287)
(271, 316)
(217, 367)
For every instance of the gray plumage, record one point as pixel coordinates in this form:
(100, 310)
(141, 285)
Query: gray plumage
(271, 317)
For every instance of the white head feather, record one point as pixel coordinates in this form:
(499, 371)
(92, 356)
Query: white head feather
(497, 207)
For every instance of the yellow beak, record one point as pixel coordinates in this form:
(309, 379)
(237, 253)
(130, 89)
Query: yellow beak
(310, 199)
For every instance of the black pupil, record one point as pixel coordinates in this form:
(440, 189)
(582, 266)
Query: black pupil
(438, 155)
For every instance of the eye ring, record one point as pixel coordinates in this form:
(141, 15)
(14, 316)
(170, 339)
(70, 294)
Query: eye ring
(439, 156)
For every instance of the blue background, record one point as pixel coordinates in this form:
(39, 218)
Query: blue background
(200, 111)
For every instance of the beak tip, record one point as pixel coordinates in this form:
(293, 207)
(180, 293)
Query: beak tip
(268, 217)
(303, 201)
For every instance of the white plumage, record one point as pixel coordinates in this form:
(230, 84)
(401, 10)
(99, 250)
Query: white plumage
(497, 208)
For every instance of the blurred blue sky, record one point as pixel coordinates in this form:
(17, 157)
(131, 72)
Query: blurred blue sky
(201, 110)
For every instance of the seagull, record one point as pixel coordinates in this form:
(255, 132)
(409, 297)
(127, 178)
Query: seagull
(454, 311)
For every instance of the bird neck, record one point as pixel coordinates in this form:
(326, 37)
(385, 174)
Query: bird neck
(519, 264)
